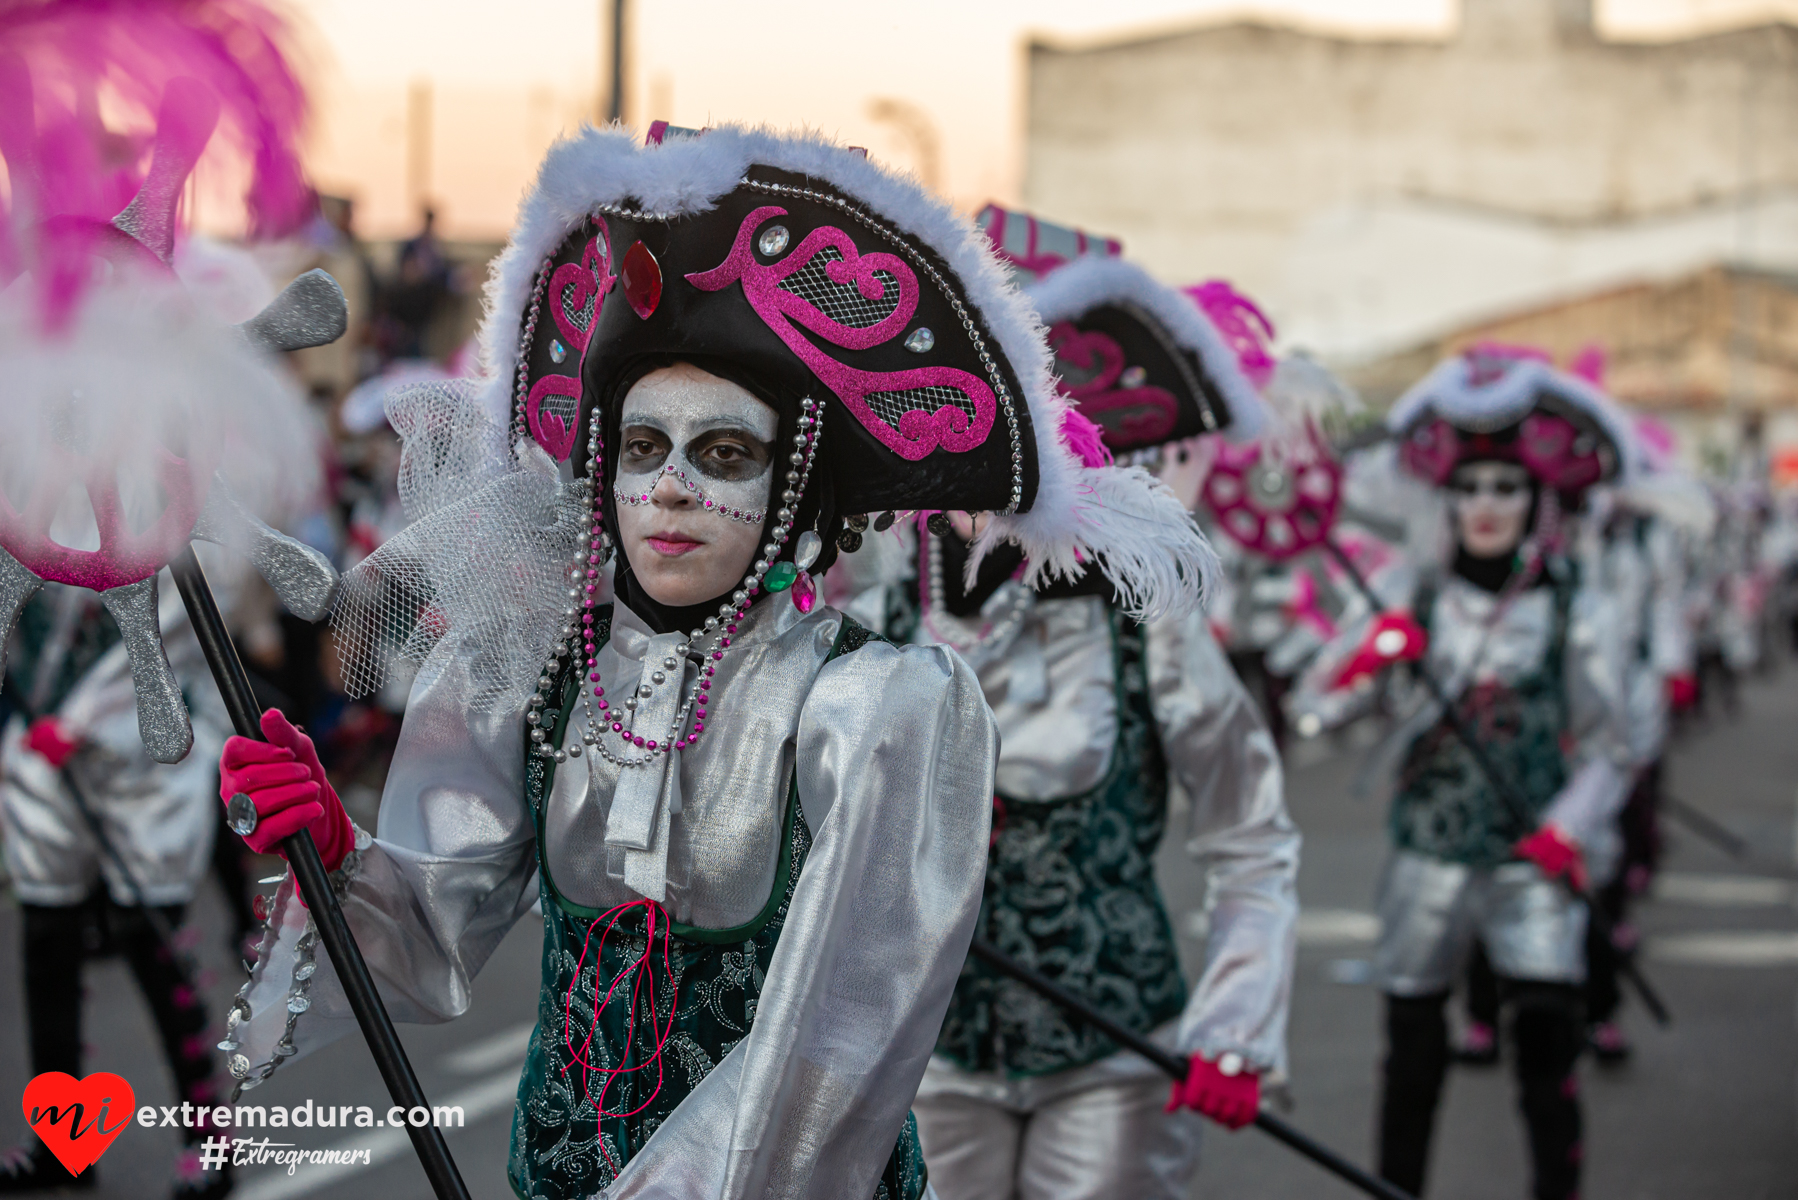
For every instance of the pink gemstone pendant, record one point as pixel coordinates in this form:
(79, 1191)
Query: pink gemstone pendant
(805, 595)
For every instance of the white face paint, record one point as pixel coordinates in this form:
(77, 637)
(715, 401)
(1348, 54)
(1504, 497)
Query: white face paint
(695, 472)
(1492, 502)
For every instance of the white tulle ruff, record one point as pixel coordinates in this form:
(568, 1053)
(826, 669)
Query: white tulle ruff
(483, 562)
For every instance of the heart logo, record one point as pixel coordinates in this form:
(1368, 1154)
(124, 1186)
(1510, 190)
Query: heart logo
(78, 1118)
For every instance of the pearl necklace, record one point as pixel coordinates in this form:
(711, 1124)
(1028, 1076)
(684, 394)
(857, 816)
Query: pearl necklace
(713, 636)
(942, 626)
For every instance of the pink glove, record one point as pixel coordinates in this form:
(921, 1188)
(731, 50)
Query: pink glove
(49, 738)
(1557, 854)
(1230, 1100)
(284, 780)
(1394, 637)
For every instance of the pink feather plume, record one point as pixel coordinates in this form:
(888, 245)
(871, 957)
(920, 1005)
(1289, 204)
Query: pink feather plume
(1243, 325)
(1084, 439)
(94, 93)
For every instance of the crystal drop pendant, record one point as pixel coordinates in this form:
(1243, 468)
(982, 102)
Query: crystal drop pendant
(805, 594)
(641, 279)
(807, 551)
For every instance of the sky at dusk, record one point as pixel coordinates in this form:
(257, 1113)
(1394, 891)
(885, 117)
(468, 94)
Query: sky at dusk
(499, 81)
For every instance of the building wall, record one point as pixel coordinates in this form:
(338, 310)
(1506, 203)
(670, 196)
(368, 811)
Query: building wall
(1375, 192)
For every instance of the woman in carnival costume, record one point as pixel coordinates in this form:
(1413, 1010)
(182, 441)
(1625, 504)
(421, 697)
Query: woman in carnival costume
(1103, 697)
(758, 831)
(105, 840)
(1532, 663)
(1631, 548)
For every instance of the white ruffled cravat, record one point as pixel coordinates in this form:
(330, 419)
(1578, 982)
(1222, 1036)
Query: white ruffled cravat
(647, 797)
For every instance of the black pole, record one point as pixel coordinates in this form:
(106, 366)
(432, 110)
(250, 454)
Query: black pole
(315, 885)
(1501, 784)
(1704, 827)
(615, 105)
(1176, 1068)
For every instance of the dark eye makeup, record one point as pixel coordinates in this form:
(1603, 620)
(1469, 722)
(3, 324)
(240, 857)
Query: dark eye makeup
(644, 449)
(730, 453)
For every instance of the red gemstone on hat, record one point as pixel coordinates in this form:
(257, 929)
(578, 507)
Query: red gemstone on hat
(641, 278)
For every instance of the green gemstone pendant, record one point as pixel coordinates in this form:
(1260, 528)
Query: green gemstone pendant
(780, 576)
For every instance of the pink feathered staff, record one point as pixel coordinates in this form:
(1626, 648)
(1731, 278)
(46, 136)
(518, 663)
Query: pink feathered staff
(133, 421)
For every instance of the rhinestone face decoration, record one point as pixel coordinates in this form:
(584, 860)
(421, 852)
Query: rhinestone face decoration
(1133, 377)
(921, 341)
(773, 240)
(747, 516)
(557, 351)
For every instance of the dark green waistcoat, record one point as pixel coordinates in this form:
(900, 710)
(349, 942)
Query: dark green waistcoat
(1070, 891)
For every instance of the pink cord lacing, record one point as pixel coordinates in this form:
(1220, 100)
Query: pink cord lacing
(642, 969)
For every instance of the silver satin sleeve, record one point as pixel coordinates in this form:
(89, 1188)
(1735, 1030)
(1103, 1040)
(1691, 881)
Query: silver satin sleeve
(1313, 705)
(1600, 756)
(449, 872)
(1220, 751)
(159, 819)
(895, 757)
(1670, 627)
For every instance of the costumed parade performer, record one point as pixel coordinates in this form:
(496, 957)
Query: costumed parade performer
(1529, 659)
(1629, 547)
(1103, 698)
(121, 396)
(757, 832)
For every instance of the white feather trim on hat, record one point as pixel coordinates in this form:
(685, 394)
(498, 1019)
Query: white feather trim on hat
(1063, 526)
(1303, 391)
(1450, 391)
(1674, 497)
(1145, 541)
(1094, 279)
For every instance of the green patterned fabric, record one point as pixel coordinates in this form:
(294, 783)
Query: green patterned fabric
(92, 635)
(1070, 891)
(557, 1134)
(1446, 807)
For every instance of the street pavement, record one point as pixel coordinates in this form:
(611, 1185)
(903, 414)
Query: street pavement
(1708, 1109)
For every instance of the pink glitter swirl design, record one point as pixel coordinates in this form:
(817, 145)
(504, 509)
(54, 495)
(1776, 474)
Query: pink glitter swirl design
(1130, 416)
(917, 432)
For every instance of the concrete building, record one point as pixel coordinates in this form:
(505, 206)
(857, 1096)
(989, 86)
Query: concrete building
(1378, 194)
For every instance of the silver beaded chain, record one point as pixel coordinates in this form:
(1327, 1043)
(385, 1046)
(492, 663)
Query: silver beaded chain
(521, 389)
(941, 626)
